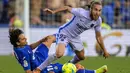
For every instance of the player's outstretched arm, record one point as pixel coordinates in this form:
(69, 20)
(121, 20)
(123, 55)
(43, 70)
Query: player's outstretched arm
(48, 40)
(100, 41)
(28, 71)
(64, 8)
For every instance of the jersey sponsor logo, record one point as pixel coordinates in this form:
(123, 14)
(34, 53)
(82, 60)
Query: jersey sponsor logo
(25, 63)
(81, 27)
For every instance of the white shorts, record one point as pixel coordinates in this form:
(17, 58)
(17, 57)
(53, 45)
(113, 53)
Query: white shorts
(76, 43)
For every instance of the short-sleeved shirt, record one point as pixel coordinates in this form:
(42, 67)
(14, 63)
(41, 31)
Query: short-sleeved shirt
(30, 60)
(80, 22)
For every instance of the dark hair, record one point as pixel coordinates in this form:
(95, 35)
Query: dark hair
(95, 2)
(14, 36)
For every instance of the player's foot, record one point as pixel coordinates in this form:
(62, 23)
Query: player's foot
(102, 69)
(69, 61)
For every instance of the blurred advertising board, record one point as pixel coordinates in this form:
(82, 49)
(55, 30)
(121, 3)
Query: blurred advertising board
(117, 42)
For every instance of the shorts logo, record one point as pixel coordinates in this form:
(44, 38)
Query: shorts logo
(25, 63)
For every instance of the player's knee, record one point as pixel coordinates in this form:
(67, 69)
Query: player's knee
(59, 55)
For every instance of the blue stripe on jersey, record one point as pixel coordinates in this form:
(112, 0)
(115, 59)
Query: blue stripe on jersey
(64, 27)
(66, 24)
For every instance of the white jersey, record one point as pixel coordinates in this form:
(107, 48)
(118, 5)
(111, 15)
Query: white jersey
(80, 22)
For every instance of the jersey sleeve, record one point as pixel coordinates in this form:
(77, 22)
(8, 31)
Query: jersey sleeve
(76, 11)
(98, 27)
(26, 61)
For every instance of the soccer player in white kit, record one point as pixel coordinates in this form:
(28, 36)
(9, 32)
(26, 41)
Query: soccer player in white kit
(69, 33)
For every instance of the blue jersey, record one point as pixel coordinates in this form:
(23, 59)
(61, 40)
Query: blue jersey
(30, 60)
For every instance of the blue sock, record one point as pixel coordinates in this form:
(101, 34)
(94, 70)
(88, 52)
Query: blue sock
(85, 71)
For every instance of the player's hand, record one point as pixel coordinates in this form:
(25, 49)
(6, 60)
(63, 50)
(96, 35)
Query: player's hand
(48, 11)
(106, 54)
(37, 70)
(79, 66)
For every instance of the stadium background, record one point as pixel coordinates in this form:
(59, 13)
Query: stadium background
(115, 32)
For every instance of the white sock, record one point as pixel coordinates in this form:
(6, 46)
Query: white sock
(94, 71)
(75, 60)
(47, 62)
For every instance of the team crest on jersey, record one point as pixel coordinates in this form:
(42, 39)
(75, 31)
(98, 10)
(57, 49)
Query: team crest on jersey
(25, 63)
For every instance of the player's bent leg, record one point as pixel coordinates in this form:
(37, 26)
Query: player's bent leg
(47, 62)
(80, 54)
(59, 53)
(77, 45)
(60, 50)
(78, 57)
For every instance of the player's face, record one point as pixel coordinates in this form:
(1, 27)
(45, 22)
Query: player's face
(22, 40)
(96, 11)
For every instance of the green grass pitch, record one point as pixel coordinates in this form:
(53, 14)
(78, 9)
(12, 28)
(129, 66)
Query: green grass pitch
(8, 64)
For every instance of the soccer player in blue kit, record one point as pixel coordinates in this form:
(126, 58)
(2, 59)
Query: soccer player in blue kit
(23, 52)
(70, 32)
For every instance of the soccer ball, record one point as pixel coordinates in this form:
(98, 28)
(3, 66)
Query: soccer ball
(69, 68)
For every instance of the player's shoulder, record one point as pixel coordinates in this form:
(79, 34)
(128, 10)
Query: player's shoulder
(22, 50)
(85, 13)
(82, 9)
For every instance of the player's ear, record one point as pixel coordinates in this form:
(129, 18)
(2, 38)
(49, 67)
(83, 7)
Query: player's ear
(17, 43)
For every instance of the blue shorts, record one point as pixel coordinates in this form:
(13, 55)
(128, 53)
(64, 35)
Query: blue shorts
(56, 68)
